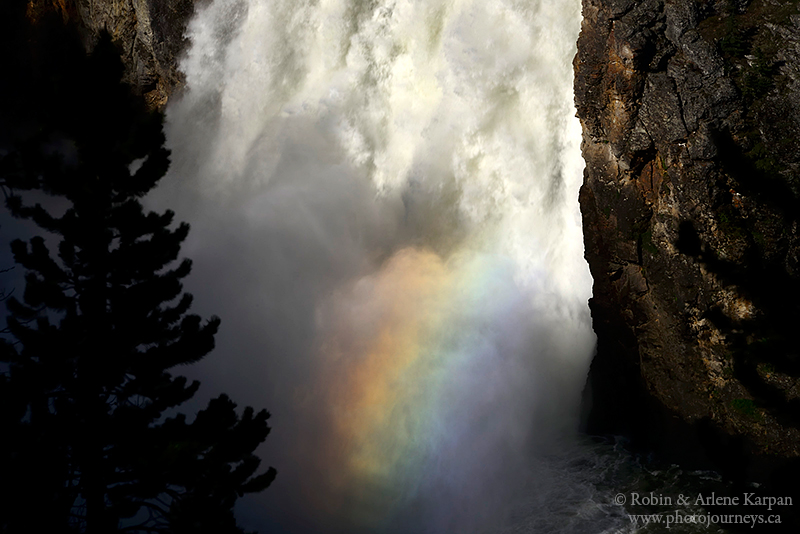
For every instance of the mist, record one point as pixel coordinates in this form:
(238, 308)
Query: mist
(383, 201)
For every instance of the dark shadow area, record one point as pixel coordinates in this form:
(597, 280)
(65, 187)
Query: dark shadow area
(755, 174)
(770, 337)
(763, 346)
(92, 437)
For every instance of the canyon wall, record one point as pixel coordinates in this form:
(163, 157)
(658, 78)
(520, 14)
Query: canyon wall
(690, 115)
(149, 33)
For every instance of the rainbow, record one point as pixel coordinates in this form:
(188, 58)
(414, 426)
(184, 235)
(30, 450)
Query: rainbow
(400, 350)
(335, 130)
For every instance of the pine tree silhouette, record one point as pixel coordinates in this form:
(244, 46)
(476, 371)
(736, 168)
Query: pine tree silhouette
(92, 441)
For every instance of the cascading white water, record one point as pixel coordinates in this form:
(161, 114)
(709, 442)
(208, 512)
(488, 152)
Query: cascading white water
(384, 205)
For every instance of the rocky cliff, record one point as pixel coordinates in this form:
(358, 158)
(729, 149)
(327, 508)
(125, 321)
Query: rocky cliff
(691, 119)
(150, 34)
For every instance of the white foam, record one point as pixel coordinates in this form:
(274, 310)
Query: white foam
(326, 134)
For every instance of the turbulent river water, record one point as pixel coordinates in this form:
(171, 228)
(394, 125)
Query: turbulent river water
(383, 195)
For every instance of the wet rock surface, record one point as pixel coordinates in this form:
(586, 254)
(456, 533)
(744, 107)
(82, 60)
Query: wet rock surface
(690, 206)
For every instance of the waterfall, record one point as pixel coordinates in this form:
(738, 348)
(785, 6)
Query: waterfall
(384, 203)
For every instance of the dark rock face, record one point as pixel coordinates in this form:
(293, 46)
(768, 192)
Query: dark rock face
(150, 34)
(690, 114)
